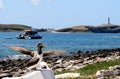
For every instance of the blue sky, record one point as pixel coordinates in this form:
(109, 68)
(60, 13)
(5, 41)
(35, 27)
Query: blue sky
(59, 13)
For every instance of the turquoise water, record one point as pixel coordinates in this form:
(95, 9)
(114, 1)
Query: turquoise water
(71, 42)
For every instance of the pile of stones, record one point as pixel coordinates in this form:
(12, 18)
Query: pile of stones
(111, 73)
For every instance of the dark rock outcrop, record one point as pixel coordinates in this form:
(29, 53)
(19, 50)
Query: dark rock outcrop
(107, 28)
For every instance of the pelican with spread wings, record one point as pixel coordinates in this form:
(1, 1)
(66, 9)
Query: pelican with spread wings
(37, 56)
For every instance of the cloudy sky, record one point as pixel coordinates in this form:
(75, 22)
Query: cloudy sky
(59, 13)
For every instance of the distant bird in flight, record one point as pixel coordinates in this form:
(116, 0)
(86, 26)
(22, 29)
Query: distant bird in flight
(37, 56)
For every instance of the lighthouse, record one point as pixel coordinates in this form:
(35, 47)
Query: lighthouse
(108, 20)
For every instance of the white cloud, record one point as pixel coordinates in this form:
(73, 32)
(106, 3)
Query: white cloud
(1, 4)
(36, 2)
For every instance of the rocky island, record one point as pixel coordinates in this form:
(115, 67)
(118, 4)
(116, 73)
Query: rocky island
(13, 27)
(104, 28)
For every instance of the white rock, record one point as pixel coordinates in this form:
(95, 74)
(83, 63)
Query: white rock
(66, 75)
(99, 73)
(69, 67)
(71, 61)
(58, 61)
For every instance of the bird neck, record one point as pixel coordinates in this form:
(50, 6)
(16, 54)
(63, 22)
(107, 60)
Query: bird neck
(39, 50)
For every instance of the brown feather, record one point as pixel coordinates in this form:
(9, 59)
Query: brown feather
(33, 61)
(53, 52)
(22, 50)
(31, 53)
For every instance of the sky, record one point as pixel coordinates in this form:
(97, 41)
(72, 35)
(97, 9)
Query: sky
(59, 13)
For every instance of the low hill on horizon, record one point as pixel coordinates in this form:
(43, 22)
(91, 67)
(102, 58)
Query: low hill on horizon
(81, 28)
(13, 27)
(104, 28)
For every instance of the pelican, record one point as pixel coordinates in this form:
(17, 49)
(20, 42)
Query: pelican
(37, 56)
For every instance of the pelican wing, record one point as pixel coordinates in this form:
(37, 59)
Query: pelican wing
(22, 50)
(53, 52)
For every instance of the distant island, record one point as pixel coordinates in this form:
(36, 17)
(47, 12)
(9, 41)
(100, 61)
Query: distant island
(104, 28)
(13, 27)
(19, 27)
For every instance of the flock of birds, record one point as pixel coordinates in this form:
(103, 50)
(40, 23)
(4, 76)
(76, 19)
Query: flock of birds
(36, 62)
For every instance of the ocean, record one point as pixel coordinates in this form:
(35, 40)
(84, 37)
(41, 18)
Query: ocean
(71, 42)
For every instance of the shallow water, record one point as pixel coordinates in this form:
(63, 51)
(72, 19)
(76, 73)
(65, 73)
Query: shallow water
(71, 42)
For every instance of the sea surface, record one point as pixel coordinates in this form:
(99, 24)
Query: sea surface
(71, 42)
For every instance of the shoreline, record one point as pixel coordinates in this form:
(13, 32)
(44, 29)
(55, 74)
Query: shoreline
(16, 67)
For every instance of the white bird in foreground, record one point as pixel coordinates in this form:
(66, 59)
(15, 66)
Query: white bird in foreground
(37, 56)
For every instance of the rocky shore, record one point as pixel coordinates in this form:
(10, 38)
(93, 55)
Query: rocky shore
(81, 59)
(16, 67)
